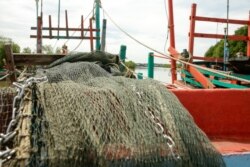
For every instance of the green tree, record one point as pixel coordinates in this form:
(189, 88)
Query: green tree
(131, 65)
(3, 41)
(234, 46)
(26, 50)
(47, 49)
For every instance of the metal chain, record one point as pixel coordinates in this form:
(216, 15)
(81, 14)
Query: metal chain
(6, 154)
(159, 129)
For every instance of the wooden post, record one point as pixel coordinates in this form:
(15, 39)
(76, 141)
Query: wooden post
(39, 35)
(248, 42)
(91, 35)
(82, 26)
(151, 65)
(103, 40)
(192, 30)
(10, 62)
(67, 25)
(172, 39)
(50, 25)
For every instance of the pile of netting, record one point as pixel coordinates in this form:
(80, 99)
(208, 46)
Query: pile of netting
(85, 115)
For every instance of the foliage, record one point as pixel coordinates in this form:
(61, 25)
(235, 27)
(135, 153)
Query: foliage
(234, 46)
(130, 64)
(47, 49)
(3, 41)
(27, 50)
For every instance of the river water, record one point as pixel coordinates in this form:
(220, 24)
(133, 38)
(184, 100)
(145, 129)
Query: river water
(160, 74)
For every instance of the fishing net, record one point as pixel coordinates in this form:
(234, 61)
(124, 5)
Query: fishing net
(86, 116)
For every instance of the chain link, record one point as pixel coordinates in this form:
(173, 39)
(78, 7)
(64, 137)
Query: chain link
(6, 154)
(159, 129)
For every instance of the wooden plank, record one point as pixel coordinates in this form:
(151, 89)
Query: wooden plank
(205, 82)
(219, 20)
(220, 36)
(64, 29)
(10, 62)
(35, 59)
(62, 37)
(227, 85)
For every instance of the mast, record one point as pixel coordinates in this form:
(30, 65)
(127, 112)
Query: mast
(97, 19)
(172, 38)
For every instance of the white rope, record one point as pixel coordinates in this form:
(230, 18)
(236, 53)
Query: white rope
(176, 59)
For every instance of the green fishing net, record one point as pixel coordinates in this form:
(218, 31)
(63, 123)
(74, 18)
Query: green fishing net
(86, 116)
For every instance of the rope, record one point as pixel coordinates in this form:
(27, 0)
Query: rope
(169, 56)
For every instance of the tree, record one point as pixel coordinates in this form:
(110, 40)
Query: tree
(234, 46)
(47, 49)
(26, 50)
(3, 41)
(130, 64)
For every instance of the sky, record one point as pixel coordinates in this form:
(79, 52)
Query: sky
(146, 20)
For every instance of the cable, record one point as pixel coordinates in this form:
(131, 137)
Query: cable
(169, 56)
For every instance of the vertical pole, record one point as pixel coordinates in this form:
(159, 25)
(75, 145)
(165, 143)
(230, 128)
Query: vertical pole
(82, 26)
(248, 42)
(103, 40)
(140, 75)
(226, 51)
(50, 27)
(97, 17)
(39, 35)
(151, 65)
(91, 35)
(59, 11)
(122, 55)
(37, 25)
(192, 30)
(66, 21)
(10, 62)
(172, 38)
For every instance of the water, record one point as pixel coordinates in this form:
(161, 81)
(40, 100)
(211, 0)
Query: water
(160, 74)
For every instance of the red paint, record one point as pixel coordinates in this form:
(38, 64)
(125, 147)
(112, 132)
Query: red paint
(206, 83)
(192, 29)
(221, 114)
(248, 42)
(172, 38)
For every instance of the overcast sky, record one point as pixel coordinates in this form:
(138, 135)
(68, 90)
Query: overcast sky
(144, 19)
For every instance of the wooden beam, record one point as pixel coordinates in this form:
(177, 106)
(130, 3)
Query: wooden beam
(219, 20)
(219, 36)
(35, 59)
(205, 82)
(211, 59)
(64, 29)
(10, 62)
(63, 37)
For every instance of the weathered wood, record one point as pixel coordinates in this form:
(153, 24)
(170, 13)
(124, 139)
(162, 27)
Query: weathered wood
(62, 37)
(10, 65)
(35, 59)
(64, 29)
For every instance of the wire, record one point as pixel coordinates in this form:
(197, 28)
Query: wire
(169, 56)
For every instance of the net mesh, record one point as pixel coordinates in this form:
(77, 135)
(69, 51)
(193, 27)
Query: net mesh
(6, 100)
(85, 116)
